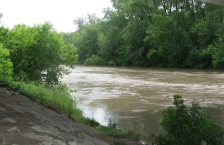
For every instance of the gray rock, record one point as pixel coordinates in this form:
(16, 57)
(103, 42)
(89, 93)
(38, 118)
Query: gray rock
(47, 129)
(46, 139)
(2, 109)
(13, 129)
(46, 143)
(73, 143)
(9, 120)
(40, 129)
(19, 111)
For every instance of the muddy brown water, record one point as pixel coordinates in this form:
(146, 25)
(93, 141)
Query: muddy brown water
(134, 98)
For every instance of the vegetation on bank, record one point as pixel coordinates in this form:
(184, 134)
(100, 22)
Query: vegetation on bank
(35, 53)
(32, 60)
(154, 33)
(188, 126)
(181, 124)
(178, 33)
(59, 99)
(94, 60)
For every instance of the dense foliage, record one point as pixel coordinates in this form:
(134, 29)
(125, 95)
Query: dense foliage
(5, 64)
(36, 53)
(188, 127)
(161, 33)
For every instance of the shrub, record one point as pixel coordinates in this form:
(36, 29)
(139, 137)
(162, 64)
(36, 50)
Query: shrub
(111, 62)
(39, 53)
(188, 126)
(94, 60)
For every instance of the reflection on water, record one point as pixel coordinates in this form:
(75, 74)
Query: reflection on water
(135, 97)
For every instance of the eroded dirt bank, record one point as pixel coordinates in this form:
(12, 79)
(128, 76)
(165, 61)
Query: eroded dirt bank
(24, 122)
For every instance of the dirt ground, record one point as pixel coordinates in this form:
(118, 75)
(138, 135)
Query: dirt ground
(24, 122)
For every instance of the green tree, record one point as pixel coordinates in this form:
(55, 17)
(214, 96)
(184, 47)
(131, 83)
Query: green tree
(0, 17)
(39, 53)
(86, 37)
(5, 64)
(217, 52)
(110, 38)
(188, 126)
(164, 33)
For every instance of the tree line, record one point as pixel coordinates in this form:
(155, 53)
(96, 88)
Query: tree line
(153, 33)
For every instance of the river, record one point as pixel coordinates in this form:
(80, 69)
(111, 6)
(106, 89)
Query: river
(134, 98)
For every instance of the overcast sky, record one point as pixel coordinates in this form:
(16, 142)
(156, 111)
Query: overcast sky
(60, 13)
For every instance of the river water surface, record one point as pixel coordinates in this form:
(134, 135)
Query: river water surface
(135, 97)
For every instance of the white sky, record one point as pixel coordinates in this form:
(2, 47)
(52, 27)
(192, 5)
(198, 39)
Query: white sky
(60, 13)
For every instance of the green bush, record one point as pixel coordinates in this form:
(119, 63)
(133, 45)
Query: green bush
(118, 133)
(188, 126)
(39, 54)
(112, 130)
(94, 60)
(111, 62)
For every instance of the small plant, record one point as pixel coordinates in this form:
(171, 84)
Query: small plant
(112, 124)
(6, 65)
(113, 131)
(188, 126)
(91, 122)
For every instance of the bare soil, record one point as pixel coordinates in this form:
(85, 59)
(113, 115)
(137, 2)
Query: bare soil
(24, 122)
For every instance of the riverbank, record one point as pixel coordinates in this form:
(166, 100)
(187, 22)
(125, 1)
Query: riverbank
(24, 121)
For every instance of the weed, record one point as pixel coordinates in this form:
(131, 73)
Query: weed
(112, 124)
(92, 122)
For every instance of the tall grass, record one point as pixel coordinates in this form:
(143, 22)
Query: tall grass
(57, 98)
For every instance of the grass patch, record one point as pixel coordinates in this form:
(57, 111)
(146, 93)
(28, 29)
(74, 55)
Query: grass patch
(118, 133)
(57, 98)
(114, 131)
(60, 100)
